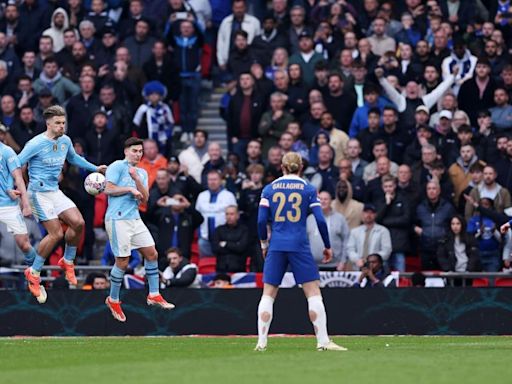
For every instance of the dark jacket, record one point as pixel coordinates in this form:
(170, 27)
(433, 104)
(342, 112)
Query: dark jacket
(264, 48)
(102, 148)
(164, 226)
(22, 133)
(434, 221)
(184, 275)
(233, 114)
(168, 74)
(80, 112)
(470, 101)
(446, 254)
(232, 257)
(397, 218)
(397, 142)
(504, 171)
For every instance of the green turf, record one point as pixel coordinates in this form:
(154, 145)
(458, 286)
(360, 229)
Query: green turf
(181, 360)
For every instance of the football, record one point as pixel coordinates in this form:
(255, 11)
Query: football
(94, 183)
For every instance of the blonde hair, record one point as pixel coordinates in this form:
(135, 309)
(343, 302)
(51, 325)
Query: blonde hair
(54, 110)
(292, 162)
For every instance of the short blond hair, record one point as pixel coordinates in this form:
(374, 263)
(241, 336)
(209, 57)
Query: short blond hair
(54, 110)
(292, 162)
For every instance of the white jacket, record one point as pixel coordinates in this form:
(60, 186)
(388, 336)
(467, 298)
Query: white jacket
(250, 24)
(379, 242)
(195, 165)
(57, 35)
(215, 210)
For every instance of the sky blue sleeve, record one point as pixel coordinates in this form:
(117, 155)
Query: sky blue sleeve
(78, 160)
(29, 151)
(13, 162)
(112, 174)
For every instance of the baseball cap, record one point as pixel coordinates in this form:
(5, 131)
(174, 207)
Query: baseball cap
(422, 108)
(446, 114)
(174, 159)
(369, 207)
(45, 92)
(305, 33)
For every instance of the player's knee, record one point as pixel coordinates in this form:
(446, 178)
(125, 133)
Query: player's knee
(79, 225)
(23, 244)
(122, 263)
(153, 256)
(57, 234)
(265, 316)
(312, 316)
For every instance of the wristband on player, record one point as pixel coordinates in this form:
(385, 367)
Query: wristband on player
(264, 244)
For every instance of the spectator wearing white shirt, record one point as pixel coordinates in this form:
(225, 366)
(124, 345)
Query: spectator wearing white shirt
(212, 204)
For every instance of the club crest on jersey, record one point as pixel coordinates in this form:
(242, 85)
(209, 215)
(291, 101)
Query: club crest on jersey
(63, 147)
(55, 147)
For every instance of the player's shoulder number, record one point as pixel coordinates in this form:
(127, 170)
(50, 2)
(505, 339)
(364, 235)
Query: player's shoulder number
(294, 213)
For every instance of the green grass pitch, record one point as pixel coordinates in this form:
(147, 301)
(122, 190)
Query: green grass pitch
(211, 360)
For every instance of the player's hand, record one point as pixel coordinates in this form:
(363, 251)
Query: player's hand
(379, 72)
(327, 255)
(14, 194)
(264, 248)
(136, 194)
(133, 173)
(504, 228)
(26, 209)
(101, 169)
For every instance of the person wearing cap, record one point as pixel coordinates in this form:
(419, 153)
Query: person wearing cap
(478, 92)
(270, 39)
(432, 219)
(460, 58)
(181, 180)
(445, 139)
(368, 238)
(239, 19)
(306, 58)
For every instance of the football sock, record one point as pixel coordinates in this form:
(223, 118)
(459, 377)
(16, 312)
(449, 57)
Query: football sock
(265, 310)
(318, 318)
(37, 265)
(69, 254)
(151, 268)
(116, 279)
(30, 256)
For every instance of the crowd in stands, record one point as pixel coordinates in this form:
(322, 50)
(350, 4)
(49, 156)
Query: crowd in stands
(400, 109)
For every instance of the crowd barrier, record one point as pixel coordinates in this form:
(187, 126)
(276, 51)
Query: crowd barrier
(418, 311)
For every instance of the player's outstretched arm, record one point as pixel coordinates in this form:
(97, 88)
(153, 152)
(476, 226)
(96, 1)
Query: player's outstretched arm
(75, 159)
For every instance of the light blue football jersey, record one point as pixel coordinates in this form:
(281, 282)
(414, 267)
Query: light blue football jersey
(124, 207)
(8, 163)
(45, 158)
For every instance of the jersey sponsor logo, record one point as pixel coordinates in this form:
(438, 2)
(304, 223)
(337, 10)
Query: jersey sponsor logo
(53, 161)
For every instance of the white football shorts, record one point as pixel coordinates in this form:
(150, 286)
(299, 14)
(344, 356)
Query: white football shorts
(13, 219)
(49, 205)
(126, 235)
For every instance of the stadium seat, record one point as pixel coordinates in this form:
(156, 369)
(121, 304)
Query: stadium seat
(100, 207)
(207, 265)
(480, 282)
(503, 282)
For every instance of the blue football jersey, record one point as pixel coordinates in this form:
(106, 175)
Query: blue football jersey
(289, 200)
(124, 207)
(8, 163)
(45, 158)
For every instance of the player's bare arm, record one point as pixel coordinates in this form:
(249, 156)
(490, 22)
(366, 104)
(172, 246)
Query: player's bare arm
(139, 185)
(113, 190)
(22, 190)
